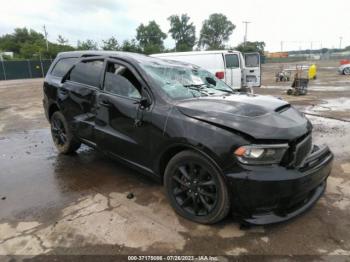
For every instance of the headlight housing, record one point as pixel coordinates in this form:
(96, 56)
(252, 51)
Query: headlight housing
(261, 154)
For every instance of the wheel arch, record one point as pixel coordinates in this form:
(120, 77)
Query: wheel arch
(52, 109)
(173, 150)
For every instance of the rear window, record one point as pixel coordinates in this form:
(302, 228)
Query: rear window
(232, 61)
(88, 73)
(252, 60)
(62, 66)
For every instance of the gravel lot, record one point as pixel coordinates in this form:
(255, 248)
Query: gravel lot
(55, 204)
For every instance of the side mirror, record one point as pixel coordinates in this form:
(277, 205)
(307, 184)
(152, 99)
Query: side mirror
(144, 102)
(211, 81)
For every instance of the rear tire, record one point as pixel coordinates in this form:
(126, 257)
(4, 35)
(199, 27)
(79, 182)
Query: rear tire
(62, 135)
(196, 189)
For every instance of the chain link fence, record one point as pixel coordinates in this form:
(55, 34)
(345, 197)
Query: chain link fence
(21, 69)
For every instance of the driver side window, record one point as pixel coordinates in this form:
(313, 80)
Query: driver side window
(119, 80)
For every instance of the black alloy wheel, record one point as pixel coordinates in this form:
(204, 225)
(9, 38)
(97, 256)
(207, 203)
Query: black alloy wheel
(62, 135)
(58, 131)
(196, 189)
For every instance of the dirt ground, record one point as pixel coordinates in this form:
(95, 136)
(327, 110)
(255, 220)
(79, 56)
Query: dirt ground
(55, 204)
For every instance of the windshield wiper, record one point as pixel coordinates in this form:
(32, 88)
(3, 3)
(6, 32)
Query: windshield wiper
(199, 88)
(195, 85)
(225, 90)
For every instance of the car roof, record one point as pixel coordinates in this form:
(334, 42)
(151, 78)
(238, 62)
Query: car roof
(195, 53)
(132, 57)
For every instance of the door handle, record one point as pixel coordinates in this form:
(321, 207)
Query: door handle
(105, 103)
(63, 90)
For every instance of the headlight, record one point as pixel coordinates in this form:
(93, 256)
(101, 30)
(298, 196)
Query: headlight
(261, 154)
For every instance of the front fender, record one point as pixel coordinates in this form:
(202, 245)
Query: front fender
(215, 142)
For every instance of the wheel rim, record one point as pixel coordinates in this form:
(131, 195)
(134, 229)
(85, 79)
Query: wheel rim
(194, 189)
(58, 132)
(347, 71)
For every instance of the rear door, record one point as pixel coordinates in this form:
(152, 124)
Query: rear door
(233, 72)
(252, 70)
(77, 93)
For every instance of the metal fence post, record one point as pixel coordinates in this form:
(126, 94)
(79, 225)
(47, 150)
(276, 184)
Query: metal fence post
(29, 69)
(41, 65)
(3, 67)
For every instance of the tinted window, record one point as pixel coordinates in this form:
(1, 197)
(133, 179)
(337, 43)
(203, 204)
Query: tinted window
(232, 61)
(121, 81)
(251, 60)
(87, 73)
(62, 66)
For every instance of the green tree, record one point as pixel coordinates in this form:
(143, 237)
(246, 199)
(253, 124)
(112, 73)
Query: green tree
(61, 40)
(8, 43)
(87, 45)
(54, 49)
(215, 32)
(28, 50)
(131, 46)
(28, 43)
(111, 44)
(14, 42)
(251, 47)
(183, 32)
(150, 37)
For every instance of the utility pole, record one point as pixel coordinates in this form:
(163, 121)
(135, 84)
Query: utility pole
(311, 48)
(46, 34)
(340, 40)
(281, 46)
(246, 31)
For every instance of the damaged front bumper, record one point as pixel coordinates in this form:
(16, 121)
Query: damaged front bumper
(271, 194)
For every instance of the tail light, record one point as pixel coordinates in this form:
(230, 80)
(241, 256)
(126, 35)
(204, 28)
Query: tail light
(220, 75)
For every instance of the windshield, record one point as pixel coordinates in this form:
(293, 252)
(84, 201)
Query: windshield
(185, 82)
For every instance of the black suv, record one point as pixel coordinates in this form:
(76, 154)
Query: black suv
(214, 149)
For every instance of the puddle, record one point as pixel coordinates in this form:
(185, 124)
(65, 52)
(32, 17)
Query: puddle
(329, 88)
(56, 202)
(236, 251)
(334, 133)
(312, 88)
(339, 190)
(335, 104)
(328, 67)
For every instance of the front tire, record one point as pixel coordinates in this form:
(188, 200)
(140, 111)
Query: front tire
(62, 135)
(196, 189)
(346, 71)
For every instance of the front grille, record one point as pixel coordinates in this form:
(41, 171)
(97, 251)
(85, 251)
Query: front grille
(302, 149)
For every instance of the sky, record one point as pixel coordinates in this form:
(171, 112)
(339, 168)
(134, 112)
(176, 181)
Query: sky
(298, 24)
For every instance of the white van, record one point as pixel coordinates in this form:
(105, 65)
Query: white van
(236, 69)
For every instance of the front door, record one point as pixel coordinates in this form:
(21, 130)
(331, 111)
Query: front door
(119, 126)
(233, 73)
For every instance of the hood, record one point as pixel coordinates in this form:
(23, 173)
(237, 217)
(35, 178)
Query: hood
(261, 117)
(343, 66)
